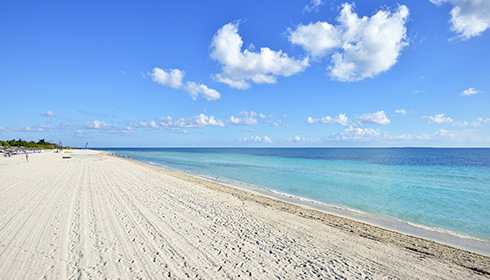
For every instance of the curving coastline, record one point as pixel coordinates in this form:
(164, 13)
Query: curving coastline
(94, 216)
(475, 261)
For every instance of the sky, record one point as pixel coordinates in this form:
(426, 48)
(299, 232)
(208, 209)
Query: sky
(312, 73)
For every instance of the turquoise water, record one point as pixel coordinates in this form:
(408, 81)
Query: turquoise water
(447, 189)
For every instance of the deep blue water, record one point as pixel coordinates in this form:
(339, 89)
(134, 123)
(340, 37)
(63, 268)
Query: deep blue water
(441, 188)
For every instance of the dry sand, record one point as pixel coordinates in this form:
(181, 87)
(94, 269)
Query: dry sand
(95, 216)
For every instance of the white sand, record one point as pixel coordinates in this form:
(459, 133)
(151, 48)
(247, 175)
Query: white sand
(94, 216)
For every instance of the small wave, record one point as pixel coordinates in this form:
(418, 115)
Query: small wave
(446, 231)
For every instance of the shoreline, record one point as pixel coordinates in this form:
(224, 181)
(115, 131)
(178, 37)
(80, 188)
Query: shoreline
(98, 217)
(440, 235)
(476, 261)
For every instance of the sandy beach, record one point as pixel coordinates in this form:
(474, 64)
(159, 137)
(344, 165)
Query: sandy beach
(94, 216)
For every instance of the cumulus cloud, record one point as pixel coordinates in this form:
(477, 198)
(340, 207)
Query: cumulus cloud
(148, 124)
(247, 118)
(456, 136)
(298, 139)
(242, 121)
(359, 47)
(401, 112)
(468, 92)
(47, 114)
(340, 119)
(479, 121)
(469, 18)
(198, 121)
(96, 124)
(438, 119)
(265, 139)
(173, 78)
(374, 118)
(198, 89)
(102, 126)
(240, 67)
(316, 38)
(354, 133)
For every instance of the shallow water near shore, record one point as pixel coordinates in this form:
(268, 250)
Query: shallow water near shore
(441, 190)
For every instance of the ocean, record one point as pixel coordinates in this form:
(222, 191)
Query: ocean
(440, 193)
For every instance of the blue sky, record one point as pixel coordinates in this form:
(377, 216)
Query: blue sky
(246, 73)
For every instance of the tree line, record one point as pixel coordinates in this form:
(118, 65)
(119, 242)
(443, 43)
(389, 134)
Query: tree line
(29, 144)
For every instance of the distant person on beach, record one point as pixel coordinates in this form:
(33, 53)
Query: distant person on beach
(27, 157)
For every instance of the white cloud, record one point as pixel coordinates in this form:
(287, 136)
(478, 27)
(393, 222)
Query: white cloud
(468, 92)
(247, 118)
(298, 139)
(242, 121)
(479, 121)
(240, 67)
(354, 133)
(340, 119)
(401, 112)
(438, 119)
(198, 121)
(265, 139)
(47, 114)
(460, 123)
(153, 124)
(105, 127)
(195, 89)
(357, 134)
(173, 78)
(148, 124)
(364, 46)
(469, 18)
(313, 6)
(374, 118)
(277, 123)
(35, 128)
(96, 124)
(406, 137)
(316, 38)
(456, 136)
